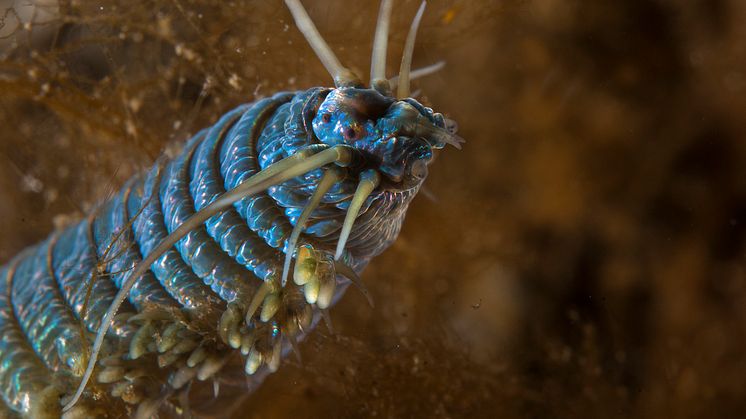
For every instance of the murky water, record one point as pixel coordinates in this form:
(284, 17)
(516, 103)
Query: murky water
(582, 256)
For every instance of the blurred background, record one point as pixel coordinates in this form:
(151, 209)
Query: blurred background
(582, 256)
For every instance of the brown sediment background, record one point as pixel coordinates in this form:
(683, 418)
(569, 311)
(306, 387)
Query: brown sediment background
(582, 256)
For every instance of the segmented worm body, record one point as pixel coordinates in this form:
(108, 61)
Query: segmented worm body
(187, 267)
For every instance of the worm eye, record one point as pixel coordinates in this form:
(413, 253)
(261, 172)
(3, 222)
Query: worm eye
(350, 133)
(326, 118)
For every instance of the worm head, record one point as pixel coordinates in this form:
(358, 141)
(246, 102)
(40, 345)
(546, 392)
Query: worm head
(396, 137)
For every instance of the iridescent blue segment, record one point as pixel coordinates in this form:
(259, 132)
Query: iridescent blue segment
(228, 228)
(216, 269)
(22, 374)
(239, 162)
(42, 313)
(113, 237)
(74, 264)
(172, 272)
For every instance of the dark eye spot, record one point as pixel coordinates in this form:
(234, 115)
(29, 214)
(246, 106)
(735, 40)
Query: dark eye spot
(326, 118)
(349, 133)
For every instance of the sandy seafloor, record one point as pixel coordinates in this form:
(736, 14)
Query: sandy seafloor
(581, 257)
